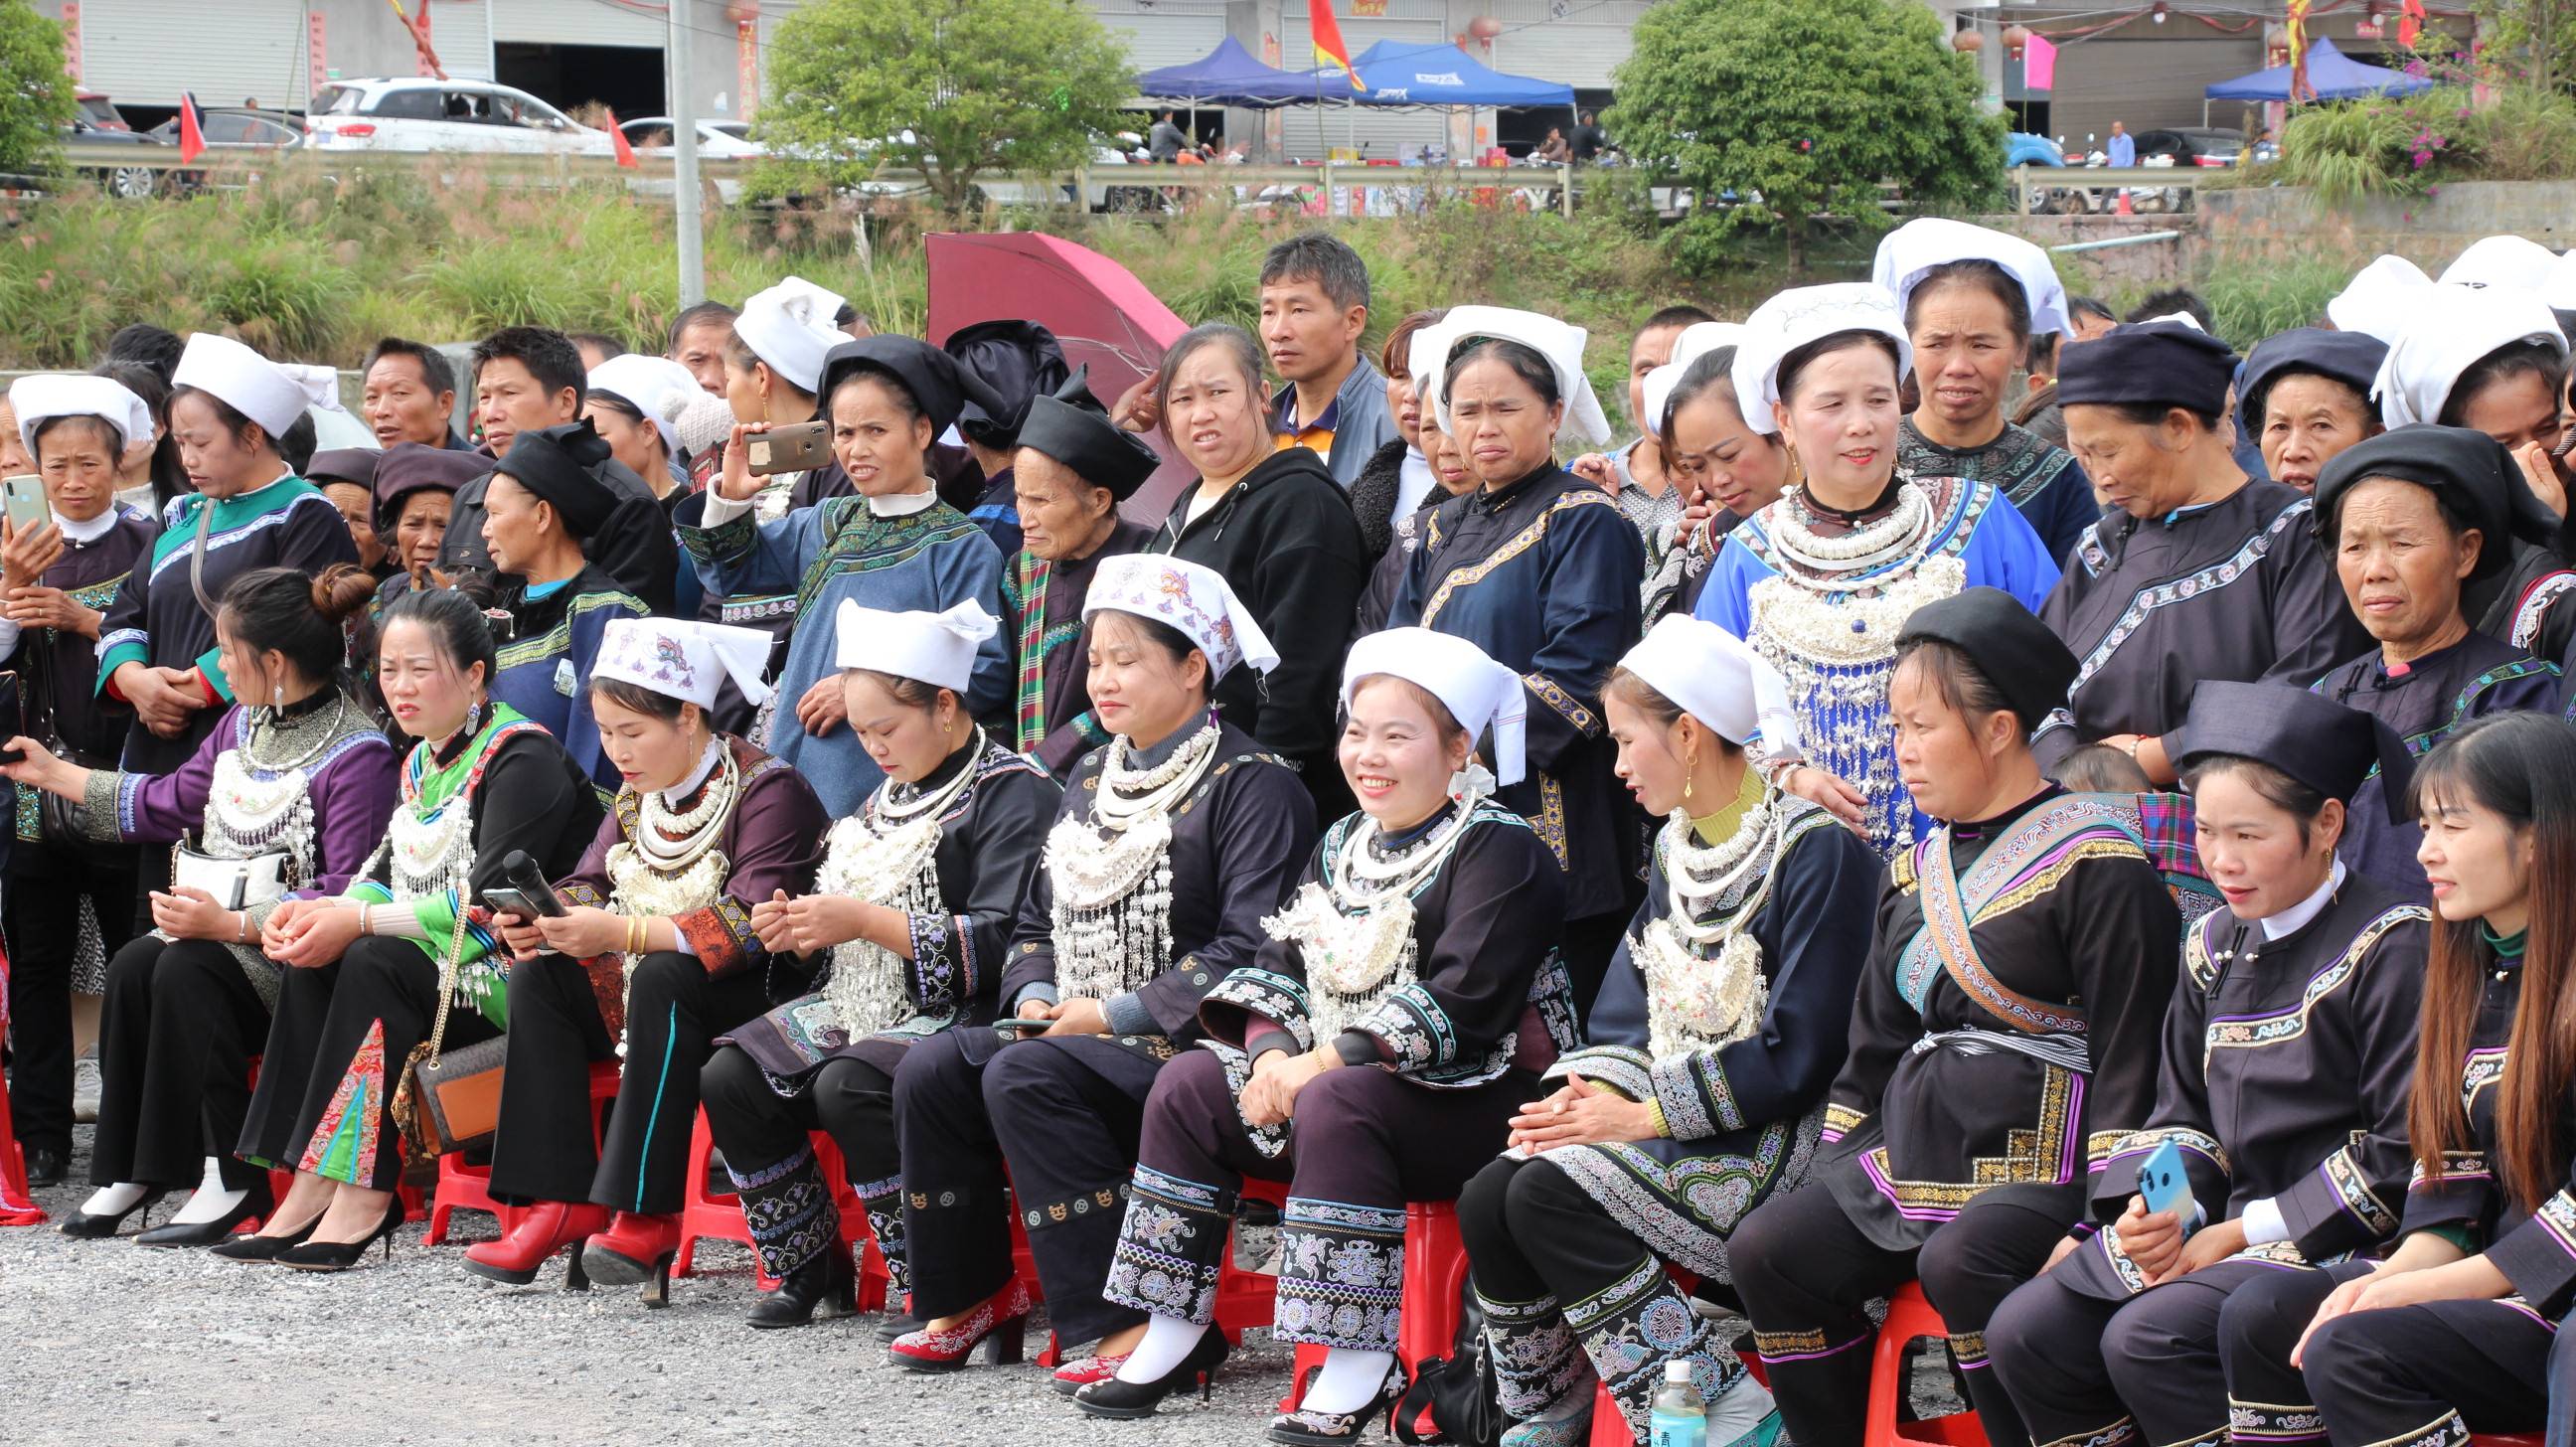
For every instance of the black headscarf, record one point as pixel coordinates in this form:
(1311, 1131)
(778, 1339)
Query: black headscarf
(557, 464)
(2158, 364)
(1071, 428)
(410, 467)
(2351, 358)
(2025, 662)
(2313, 739)
(929, 376)
(1018, 362)
(343, 464)
(2471, 469)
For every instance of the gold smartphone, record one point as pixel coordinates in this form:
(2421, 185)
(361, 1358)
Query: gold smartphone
(798, 447)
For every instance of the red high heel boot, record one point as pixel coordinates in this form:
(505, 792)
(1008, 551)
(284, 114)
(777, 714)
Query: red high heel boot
(635, 1248)
(998, 1324)
(548, 1227)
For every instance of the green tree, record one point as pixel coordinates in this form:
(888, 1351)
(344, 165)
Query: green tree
(953, 88)
(1811, 105)
(36, 96)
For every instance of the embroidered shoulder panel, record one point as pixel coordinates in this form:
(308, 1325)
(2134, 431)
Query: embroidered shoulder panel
(2196, 583)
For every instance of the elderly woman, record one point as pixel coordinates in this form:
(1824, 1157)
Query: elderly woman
(68, 908)
(1072, 470)
(1972, 298)
(1372, 1052)
(2410, 517)
(2495, 361)
(893, 545)
(230, 411)
(2310, 974)
(1275, 525)
(415, 490)
(652, 958)
(2006, 1030)
(1538, 569)
(1821, 581)
(347, 476)
(911, 910)
(1175, 840)
(2201, 572)
(2304, 395)
(1701, 1093)
(542, 508)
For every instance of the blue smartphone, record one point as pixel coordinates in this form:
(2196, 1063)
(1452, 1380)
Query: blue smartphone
(2165, 1185)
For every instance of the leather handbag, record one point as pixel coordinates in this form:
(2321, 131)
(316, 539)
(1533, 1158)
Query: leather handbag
(448, 1102)
(231, 883)
(61, 822)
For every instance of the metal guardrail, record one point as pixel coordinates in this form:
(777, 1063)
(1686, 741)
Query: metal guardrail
(2028, 183)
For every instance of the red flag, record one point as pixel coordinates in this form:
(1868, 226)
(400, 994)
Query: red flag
(617, 140)
(192, 135)
(2410, 23)
(1329, 49)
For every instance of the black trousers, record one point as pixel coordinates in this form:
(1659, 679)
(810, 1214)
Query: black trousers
(1064, 1116)
(1806, 1272)
(767, 1141)
(2428, 1374)
(45, 887)
(176, 1032)
(674, 1011)
(384, 1003)
(286, 1067)
(2079, 1368)
(1561, 1283)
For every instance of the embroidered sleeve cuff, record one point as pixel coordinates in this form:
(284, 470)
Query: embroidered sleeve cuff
(2460, 1196)
(117, 650)
(104, 815)
(719, 545)
(1271, 1000)
(1840, 1120)
(2539, 1256)
(1696, 1100)
(1615, 1067)
(2335, 1208)
(210, 675)
(940, 975)
(1414, 1032)
(1572, 709)
(1127, 1015)
(581, 894)
(720, 936)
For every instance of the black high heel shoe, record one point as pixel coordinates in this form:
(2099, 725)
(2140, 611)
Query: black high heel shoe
(1126, 1401)
(82, 1226)
(1303, 1428)
(264, 1249)
(256, 1201)
(342, 1255)
(825, 1289)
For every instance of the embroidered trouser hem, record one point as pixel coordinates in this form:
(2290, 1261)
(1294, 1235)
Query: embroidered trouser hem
(848, 1099)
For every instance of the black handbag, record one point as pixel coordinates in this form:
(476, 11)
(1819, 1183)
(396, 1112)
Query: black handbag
(60, 822)
(1455, 1394)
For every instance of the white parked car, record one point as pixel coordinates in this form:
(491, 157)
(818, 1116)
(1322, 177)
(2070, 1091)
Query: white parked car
(717, 140)
(413, 114)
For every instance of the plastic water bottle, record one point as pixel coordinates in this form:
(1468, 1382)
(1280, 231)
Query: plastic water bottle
(1680, 1418)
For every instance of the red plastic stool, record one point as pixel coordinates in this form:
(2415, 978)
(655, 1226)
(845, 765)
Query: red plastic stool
(1435, 1275)
(17, 1206)
(1910, 1316)
(705, 1217)
(2505, 1439)
(469, 1188)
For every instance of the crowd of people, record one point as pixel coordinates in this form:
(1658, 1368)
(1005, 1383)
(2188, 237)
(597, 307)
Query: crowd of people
(1976, 794)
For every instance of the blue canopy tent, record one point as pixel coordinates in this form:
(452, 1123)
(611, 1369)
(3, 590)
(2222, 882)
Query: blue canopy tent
(1229, 75)
(1444, 75)
(2332, 75)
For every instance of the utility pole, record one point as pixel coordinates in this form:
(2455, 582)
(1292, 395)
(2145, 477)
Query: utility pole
(684, 160)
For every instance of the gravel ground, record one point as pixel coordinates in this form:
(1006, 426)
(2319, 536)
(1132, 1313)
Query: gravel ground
(112, 1343)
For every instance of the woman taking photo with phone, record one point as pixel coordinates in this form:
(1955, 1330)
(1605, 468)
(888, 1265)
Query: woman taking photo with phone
(908, 917)
(68, 907)
(1401, 1010)
(2451, 1334)
(2312, 973)
(652, 957)
(401, 954)
(1173, 843)
(296, 786)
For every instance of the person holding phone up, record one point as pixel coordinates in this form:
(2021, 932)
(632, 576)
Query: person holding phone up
(915, 902)
(288, 794)
(61, 563)
(2311, 975)
(653, 957)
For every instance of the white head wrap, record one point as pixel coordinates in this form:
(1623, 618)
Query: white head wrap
(2380, 299)
(43, 396)
(1796, 317)
(1560, 344)
(1696, 341)
(645, 381)
(2560, 289)
(790, 327)
(1186, 596)
(1718, 679)
(1915, 248)
(257, 388)
(934, 648)
(2515, 262)
(2454, 328)
(1478, 692)
(685, 660)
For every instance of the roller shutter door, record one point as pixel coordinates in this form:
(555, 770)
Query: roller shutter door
(582, 22)
(2147, 84)
(1171, 32)
(1572, 44)
(1384, 133)
(461, 32)
(147, 52)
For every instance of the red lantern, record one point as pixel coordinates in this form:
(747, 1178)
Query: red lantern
(1967, 42)
(1484, 27)
(2016, 36)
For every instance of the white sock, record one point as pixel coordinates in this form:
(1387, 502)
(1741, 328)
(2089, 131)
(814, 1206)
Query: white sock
(1349, 1380)
(211, 1201)
(1168, 1339)
(114, 1200)
(1738, 1411)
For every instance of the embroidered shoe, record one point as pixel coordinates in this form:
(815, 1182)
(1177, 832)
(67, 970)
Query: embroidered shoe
(1572, 1430)
(1000, 1324)
(1306, 1427)
(1081, 1372)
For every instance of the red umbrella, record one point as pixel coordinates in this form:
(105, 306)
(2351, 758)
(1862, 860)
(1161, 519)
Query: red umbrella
(1100, 313)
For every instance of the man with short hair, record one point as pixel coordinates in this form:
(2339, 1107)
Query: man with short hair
(408, 393)
(698, 337)
(526, 378)
(1165, 141)
(1589, 139)
(2122, 148)
(1314, 307)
